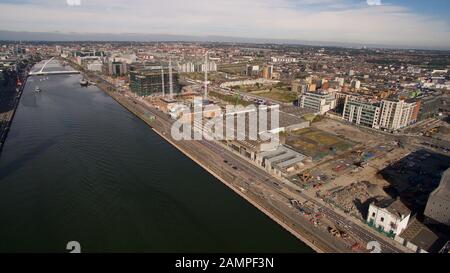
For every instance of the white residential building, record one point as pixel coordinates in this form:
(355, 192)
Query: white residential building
(210, 67)
(191, 67)
(283, 59)
(389, 216)
(186, 68)
(397, 114)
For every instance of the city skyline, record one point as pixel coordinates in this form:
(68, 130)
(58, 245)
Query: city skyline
(396, 23)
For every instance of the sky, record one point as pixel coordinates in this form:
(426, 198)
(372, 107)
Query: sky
(409, 23)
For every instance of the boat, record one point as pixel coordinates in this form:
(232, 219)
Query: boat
(84, 82)
(37, 89)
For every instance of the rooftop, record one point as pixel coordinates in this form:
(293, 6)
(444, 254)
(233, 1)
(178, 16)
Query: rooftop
(420, 235)
(394, 206)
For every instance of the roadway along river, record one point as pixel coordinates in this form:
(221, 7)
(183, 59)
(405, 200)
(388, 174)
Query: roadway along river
(78, 167)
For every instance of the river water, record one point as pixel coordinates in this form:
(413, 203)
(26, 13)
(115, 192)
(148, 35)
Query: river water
(77, 166)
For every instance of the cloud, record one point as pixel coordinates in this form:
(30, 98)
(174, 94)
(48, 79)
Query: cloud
(374, 2)
(73, 2)
(277, 19)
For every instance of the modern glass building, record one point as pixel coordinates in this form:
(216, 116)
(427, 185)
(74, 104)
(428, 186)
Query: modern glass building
(153, 80)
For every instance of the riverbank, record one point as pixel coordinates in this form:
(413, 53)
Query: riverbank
(8, 118)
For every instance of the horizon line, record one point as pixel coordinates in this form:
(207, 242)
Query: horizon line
(192, 38)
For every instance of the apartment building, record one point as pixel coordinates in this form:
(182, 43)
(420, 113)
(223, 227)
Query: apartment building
(388, 114)
(397, 114)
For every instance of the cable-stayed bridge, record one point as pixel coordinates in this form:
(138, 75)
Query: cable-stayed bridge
(42, 72)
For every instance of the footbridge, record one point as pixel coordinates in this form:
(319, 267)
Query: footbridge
(42, 72)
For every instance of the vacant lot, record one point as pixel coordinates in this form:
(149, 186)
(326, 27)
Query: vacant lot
(277, 94)
(234, 100)
(316, 143)
(351, 132)
(232, 68)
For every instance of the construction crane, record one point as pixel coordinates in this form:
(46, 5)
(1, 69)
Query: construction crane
(170, 78)
(206, 74)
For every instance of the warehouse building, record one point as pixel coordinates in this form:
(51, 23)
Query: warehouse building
(282, 161)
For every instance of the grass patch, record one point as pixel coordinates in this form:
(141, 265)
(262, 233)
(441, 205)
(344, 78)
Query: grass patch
(200, 76)
(317, 143)
(232, 68)
(279, 95)
(234, 100)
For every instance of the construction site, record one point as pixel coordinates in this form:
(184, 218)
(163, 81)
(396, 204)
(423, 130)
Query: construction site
(317, 144)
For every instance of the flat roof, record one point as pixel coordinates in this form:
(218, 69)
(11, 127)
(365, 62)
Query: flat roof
(394, 206)
(291, 162)
(420, 235)
(270, 154)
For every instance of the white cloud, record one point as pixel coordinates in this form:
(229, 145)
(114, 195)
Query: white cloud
(278, 19)
(73, 2)
(374, 2)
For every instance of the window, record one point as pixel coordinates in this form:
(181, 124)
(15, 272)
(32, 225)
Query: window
(382, 219)
(373, 214)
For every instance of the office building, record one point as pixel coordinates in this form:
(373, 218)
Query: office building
(117, 68)
(361, 112)
(321, 101)
(153, 80)
(438, 206)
